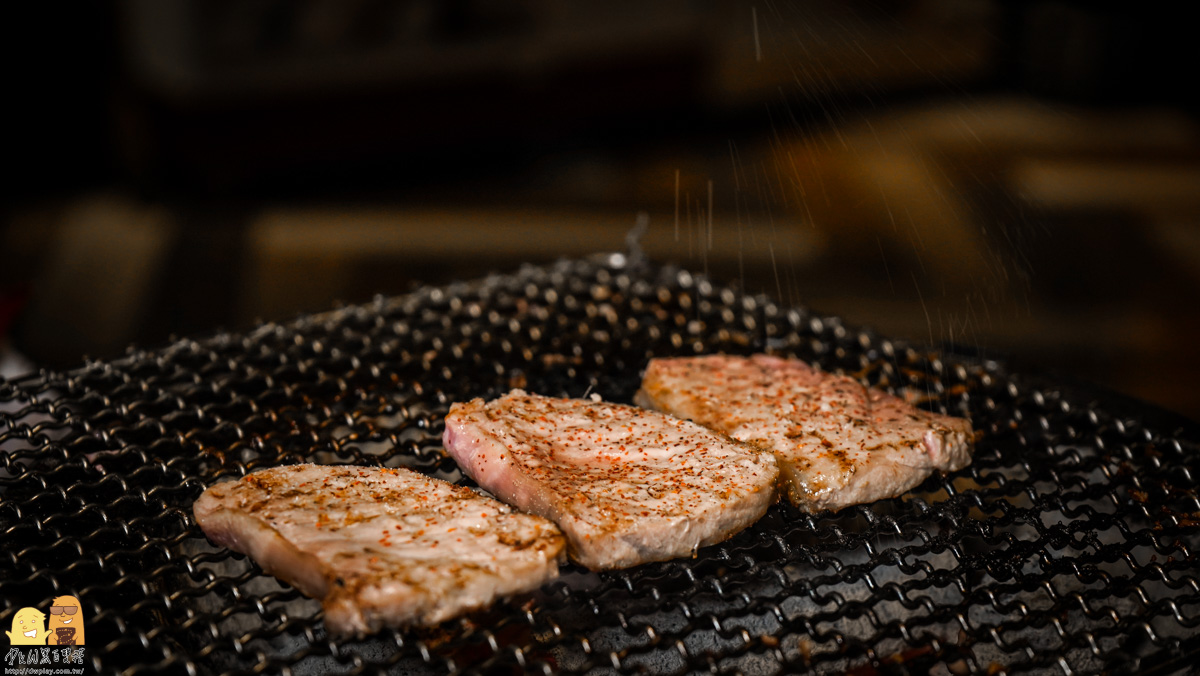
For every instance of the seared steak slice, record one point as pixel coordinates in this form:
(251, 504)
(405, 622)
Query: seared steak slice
(380, 547)
(626, 485)
(838, 443)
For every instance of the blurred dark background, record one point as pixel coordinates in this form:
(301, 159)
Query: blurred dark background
(1017, 179)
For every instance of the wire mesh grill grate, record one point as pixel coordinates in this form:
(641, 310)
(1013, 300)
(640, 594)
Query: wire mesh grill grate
(1067, 546)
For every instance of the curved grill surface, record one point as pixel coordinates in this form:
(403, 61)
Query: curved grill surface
(1069, 545)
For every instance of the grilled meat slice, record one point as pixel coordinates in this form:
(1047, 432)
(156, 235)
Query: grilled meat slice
(626, 485)
(380, 547)
(838, 443)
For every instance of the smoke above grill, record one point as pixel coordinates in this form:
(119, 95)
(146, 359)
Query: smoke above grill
(1069, 545)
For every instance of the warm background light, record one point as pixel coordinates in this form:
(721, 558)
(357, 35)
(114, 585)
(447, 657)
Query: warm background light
(1016, 180)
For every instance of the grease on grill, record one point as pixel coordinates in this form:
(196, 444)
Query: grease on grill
(1069, 544)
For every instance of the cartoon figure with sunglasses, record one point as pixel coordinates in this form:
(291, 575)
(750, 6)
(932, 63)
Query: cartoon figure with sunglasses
(66, 622)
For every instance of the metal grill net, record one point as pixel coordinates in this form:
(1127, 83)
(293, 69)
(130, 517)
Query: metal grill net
(1067, 546)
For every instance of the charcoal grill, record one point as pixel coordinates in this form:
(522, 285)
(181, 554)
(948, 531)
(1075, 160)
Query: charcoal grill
(1069, 546)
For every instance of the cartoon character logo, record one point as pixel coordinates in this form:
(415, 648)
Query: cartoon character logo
(28, 628)
(66, 622)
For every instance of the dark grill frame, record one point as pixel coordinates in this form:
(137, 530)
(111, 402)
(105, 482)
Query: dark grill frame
(1069, 545)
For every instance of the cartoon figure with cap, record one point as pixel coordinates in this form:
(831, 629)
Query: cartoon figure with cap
(28, 628)
(66, 622)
